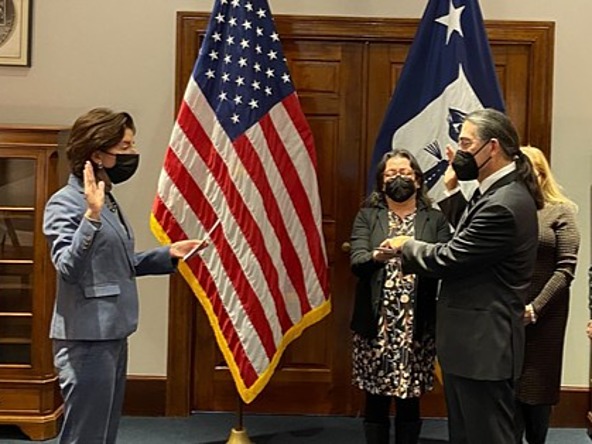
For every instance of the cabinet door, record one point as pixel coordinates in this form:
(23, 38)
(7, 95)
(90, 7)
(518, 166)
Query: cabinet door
(17, 232)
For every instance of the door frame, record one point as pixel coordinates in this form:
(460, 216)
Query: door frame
(191, 27)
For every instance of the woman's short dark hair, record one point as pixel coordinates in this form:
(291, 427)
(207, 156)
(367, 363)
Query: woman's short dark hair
(97, 130)
(377, 195)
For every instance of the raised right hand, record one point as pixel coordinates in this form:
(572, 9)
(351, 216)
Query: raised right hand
(94, 193)
(450, 179)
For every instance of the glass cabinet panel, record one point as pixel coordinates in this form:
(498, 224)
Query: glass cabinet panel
(15, 339)
(17, 229)
(17, 182)
(16, 304)
(32, 167)
(17, 208)
(16, 288)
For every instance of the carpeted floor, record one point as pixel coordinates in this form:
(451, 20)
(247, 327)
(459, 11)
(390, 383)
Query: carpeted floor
(214, 428)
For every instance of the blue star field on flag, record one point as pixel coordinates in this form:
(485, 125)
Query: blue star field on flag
(449, 72)
(241, 66)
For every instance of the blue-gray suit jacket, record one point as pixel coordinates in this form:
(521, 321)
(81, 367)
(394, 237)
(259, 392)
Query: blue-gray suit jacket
(96, 265)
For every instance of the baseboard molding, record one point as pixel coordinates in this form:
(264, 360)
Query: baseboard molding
(146, 396)
(573, 407)
(572, 410)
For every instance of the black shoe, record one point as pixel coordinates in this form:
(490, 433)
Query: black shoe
(407, 432)
(376, 433)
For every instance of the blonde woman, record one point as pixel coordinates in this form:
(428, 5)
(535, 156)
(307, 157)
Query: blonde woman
(547, 305)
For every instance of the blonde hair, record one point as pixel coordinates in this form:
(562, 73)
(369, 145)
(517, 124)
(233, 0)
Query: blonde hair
(552, 191)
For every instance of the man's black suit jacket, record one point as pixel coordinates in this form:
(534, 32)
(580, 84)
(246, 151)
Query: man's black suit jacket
(485, 269)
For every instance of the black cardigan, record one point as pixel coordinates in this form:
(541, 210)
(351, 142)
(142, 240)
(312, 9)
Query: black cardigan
(370, 229)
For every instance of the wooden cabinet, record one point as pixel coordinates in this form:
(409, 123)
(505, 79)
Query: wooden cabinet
(30, 171)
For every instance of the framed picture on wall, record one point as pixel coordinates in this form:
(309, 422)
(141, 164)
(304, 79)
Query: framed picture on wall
(15, 32)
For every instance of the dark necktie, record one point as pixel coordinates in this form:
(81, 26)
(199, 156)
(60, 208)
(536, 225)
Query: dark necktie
(474, 198)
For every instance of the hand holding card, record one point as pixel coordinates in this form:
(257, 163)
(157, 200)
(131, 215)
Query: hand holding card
(386, 250)
(383, 254)
(199, 246)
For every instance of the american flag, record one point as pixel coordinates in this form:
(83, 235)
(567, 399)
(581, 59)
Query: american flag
(242, 152)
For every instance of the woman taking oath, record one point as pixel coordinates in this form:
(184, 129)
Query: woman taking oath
(394, 315)
(92, 249)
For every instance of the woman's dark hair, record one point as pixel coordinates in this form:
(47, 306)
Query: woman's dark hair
(377, 196)
(493, 124)
(97, 130)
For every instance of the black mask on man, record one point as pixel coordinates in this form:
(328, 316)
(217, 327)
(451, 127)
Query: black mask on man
(465, 166)
(124, 168)
(400, 188)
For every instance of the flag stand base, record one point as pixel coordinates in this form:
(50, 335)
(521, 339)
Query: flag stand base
(239, 437)
(238, 434)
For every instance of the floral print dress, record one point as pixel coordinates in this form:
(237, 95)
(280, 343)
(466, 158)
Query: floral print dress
(394, 363)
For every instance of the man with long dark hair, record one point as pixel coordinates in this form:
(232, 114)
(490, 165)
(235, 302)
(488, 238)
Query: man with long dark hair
(485, 269)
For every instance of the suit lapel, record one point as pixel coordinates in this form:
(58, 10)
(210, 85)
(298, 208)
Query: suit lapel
(124, 232)
(484, 198)
(382, 231)
(383, 223)
(113, 220)
(420, 222)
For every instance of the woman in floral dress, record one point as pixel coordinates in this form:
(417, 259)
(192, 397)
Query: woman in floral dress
(394, 314)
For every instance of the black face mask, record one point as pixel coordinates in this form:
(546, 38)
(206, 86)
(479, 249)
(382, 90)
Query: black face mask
(465, 166)
(400, 189)
(124, 168)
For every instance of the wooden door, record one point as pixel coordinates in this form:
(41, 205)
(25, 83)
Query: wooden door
(344, 70)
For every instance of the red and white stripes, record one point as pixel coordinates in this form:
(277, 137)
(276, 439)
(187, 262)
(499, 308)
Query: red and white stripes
(266, 269)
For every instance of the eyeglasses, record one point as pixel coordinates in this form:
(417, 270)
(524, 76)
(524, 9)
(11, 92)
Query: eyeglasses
(389, 174)
(466, 144)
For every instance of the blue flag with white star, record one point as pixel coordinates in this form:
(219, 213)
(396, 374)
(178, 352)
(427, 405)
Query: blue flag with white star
(448, 73)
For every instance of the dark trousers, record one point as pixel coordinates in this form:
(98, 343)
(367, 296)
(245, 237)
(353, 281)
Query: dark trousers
(92, 378)
(378, 408)
(479, 411)
(532, 421)
(377, 424)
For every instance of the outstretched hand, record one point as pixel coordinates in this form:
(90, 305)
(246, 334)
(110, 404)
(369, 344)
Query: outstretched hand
(187, 248)
(389, 248)
(396, 242)
(383, 254)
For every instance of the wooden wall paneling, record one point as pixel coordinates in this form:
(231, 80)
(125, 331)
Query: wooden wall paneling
(512, 64)
(538, 42)
(385, 64)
